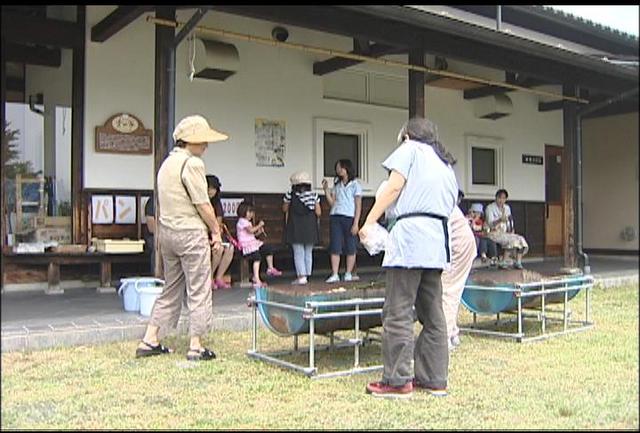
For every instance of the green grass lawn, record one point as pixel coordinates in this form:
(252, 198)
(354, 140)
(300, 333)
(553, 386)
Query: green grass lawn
(583, 380)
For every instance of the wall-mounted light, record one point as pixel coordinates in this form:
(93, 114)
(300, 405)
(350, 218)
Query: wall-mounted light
(37, 99)
(280, 34)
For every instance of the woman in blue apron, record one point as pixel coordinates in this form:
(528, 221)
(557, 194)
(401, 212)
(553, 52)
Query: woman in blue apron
(423, 190)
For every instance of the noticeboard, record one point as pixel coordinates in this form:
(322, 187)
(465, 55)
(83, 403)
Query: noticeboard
(124, 133)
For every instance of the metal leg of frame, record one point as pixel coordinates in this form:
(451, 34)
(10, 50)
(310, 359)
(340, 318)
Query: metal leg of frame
(295, 343)
(564, 310)
(356, 347)
(587, 315)
(542, 312)
(519, 318)
(312, 343)
(254, 327)
(474, 320)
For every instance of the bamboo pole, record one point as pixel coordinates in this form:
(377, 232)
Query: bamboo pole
(352, 56)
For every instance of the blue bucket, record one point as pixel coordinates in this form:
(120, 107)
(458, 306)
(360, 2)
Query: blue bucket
(129, 291)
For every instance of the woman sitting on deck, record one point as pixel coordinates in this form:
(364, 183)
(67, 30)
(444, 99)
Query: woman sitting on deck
(501, 230)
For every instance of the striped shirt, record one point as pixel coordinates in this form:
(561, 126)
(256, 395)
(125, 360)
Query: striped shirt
(308, 198)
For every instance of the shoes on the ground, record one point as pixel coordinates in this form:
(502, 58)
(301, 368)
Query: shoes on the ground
(380, 389)
(518, 265)
(300, 281)
(503, 265)
(433, 391)
(220, 284)
(152, 350)
(273, 272)
(202, 354)
(494, 262)
(333, 279)
(349, 277)
(484, 259)
(453, 343)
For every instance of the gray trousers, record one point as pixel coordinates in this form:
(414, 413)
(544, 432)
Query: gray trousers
(420, 288)
(303, 259)
(186, 256)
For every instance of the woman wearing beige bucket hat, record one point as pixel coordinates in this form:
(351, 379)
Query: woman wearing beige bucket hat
(302, 209)
(185, 219)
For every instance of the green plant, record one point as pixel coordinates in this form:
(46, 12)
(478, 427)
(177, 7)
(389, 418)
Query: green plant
(12, 164)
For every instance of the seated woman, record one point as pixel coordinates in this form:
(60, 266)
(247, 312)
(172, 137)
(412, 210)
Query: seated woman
(501, 230)
(479, 228)
(222, 257)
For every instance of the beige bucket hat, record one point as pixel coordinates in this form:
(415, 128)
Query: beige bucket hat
(196, 129)
(300, 177)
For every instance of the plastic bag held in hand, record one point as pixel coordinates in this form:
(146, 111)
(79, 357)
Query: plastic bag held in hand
(376, 239)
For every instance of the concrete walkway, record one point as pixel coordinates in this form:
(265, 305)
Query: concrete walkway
(33, 320)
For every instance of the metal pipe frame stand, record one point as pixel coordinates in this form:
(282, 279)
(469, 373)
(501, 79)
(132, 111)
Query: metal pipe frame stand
(311, 313)
(542, 314)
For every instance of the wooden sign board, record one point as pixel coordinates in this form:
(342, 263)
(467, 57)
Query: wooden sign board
(124, 133)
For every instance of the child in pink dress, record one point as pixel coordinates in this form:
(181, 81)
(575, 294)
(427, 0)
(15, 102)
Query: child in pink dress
(254, 249)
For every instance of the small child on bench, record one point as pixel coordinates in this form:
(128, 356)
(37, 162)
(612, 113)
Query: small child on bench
(254, 249)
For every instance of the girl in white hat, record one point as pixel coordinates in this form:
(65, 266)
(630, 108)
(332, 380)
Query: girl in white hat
(302, 209)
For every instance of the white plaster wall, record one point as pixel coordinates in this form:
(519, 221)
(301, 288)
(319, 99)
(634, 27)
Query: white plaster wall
(278, 83)
(610, 176)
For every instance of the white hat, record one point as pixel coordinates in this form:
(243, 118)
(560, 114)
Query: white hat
(477, 207)
(196, 129)
(300, 177)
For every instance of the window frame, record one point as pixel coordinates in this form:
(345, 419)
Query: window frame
(361, 129)
(480, 142)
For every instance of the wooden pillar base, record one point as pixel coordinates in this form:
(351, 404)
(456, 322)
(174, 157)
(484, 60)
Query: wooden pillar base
(105, 279)
(53, 279)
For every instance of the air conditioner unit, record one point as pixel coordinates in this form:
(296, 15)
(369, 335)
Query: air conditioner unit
(493, 107)
(215, 60)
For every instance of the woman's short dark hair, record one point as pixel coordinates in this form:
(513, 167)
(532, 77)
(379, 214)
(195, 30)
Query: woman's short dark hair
(181, 143)
(425, 131)
(213, 182)
(243, 208)
(348, 166)
(502, 191)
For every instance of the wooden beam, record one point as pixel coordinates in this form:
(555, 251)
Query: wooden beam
(568, 179)
(79, 210)
(551, 106)
(164, 111)
(31, 55)
(336, 63)
(14, 84)
(190, 25)
(416, 83)
(41, 31)
(116, 21)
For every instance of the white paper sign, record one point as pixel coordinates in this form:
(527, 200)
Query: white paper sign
(125, 209)
(230, 206)
(102, 209)
(143, 205)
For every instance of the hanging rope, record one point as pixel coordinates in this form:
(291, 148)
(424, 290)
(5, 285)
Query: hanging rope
(361, 58)
(192, 47)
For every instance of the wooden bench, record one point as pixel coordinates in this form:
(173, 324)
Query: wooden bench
(54, 260)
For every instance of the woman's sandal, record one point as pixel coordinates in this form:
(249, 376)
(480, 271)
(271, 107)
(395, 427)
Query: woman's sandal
(153, 350)
(203, 354)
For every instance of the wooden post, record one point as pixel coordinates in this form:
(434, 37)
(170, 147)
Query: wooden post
(78, 219)
(105, 278)
(164, 114)
(53, 278)
(568, 179)
(416, 83)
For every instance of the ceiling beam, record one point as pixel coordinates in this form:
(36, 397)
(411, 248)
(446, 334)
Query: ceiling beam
(552, 105)
(511, 78)
(190, 25)
(32, 55)
(401, 26)
(116, 21)
(41, 31)
(336, 63)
